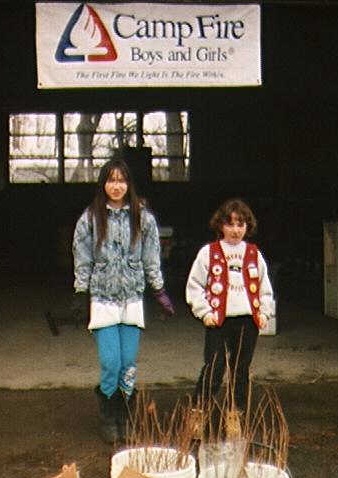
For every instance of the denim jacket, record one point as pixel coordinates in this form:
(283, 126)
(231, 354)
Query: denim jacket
(117, 272)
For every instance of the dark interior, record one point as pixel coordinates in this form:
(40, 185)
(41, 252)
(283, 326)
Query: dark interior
(274, 145)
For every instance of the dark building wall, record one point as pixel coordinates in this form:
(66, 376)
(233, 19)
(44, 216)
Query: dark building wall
(275, 145)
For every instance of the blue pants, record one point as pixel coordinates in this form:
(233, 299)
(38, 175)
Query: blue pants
(117, 348)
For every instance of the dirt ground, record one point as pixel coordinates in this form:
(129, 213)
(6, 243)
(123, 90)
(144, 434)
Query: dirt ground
(42, 429)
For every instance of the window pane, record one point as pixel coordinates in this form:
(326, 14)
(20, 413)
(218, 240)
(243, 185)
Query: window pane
(160, 169)
(70, 122)
(158, 144)
(32, 148)
(107, 123)
(112, 121)
(80, 171)
(33, 171)
(97, 135)
(167, 134)
(32, 124)
(154, 122)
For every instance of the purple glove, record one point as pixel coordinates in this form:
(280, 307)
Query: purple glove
(163, 299)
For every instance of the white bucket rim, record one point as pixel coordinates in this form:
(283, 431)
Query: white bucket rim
(278, 472)
(191, 462)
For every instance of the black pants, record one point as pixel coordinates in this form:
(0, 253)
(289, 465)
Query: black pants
(229, 347)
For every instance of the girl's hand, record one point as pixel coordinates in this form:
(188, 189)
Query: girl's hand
(263, 321)
(164, 300)
(80, 305)
(209, 320)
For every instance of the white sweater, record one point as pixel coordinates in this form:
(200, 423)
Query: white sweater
(237, 298)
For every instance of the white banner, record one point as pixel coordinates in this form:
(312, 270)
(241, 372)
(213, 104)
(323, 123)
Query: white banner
(147, 44)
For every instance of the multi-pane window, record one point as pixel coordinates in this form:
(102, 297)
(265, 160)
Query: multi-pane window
(71, 147)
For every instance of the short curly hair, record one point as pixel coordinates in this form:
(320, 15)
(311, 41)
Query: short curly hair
(223, 215)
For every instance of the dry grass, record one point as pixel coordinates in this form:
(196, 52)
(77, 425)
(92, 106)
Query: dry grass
(148, 428)
(259, 434)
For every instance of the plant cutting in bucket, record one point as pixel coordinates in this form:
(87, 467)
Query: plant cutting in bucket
(244, 444)
(157, 446)
(153, 462)
(233, 443)
(221, 459)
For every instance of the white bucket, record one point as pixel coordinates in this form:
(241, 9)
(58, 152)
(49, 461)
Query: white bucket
(154, 462)
(263, 470)
(222, 459)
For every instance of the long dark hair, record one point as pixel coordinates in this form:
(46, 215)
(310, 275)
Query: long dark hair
(98, 209)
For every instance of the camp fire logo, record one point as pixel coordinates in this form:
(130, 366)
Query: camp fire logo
(85, 38)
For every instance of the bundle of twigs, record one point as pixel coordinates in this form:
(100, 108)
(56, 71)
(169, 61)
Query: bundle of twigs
(167, 439)
(159, 434)
(267, 431)
(261, 426)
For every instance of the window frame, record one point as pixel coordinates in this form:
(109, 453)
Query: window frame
(160, 163)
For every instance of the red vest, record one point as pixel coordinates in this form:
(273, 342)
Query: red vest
(217, 283)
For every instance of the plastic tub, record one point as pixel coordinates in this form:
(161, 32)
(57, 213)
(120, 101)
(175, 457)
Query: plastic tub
(222, 459)
(154, 462)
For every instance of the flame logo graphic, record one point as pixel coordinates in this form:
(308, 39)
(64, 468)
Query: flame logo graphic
(85, 38)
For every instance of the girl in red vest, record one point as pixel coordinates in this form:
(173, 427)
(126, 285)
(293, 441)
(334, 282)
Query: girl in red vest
(229, 290)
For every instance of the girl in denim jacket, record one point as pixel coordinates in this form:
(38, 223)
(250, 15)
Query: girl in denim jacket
(116, 252)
